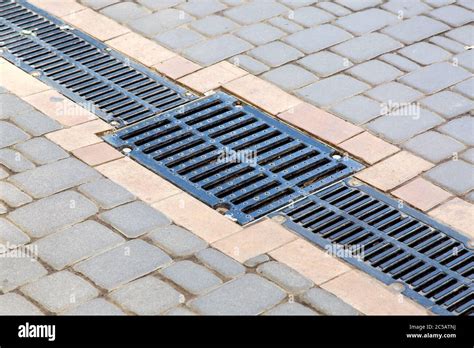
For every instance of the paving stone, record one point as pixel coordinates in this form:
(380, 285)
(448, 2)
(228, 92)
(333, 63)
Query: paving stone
(422, 194)
(247, 295)
(15, 161)
(180, 311)
(466, 60)
(325, 63)
(192, 277)
(250, 64)
(255, 11)
(470, 197)
(200, 8)
(98, 4)
(318, 38)
(214, 25)
(447, 44)
(439, 3)
(284, 276)
(394, 93)
(448, 104)
(41, 151)
(462, 34)
(466, 3)
(54, 177)
(406, 8)
(403, 123)
(179, 38)
(457, 213)
(215, 50)
(415, 29)
(135, 219)
(468, 155)
(97, 306)
(50, 214)
(177, 241)
(147, 296)
(10, 134)
(434, 146)
(158, 5)
(16, 271)
(400, 62)
(76, 243)
(311, 16)
(160, 21)
(455, 16)
(290, 77)
(425, 53)
(11, 235)
(368, 147)
(122, 264)
(3, 208)
(257, 260)
(456, 176)
(297, 3)
(275, 53)
(3, 174)
(364, 22)
(285, 24)
(461, 129)
(334, 8)
(357, 5)
(375, 72)
(124, 12)
(106, 193)
(366, 47)
(332, 90)
(290, 308)
(13, 196)
(260, 33)
(327, 303)
(466, 87)
(11, 105)
(14, 304)
(220, 263)
(60, 291)
(358, 109)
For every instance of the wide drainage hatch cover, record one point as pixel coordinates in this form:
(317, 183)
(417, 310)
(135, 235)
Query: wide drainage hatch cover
(232, 157)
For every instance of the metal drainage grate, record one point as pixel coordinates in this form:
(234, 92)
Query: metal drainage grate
(82, 68)
(207, 147)
(391, 242)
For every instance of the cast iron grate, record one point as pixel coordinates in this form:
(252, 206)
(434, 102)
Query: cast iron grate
(390, 241)
(231, 156)
(82, 68)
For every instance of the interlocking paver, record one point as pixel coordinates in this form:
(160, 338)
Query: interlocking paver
(10, 134)
(14, 304)
(247, 295)
(457, 176)
(122, 264)
(407, 8)
(13, 196)
(255, 11)
(259, 33)
(466, 3)
(466, 87)
(179, 38)
(375, 72)
(325, 63)
(462, 34)
(285, 24)
(434, 146)
(192, 277)
(3, 174)
(41, 151)
(250, 64)
(54, 177)
(275, 53)
(214, 25)
(3, 208)
(180, 311)
(461, 129)
(415, 29)
(358, 109)
(15, 161)
(400, 62)
(158, 5)
(447, 44)
(311, 16)
(220, 263)
(201, 8)
(11, 235)
(50, 214)
(448, 104)
(290, 308)
(98, 4)
(11, 105)
(290, 77)
(394, 94)
(453, 15)
(334, 8)
(97, 306)
(106, 193)
(363, 22)
(177, 241)
(297, 3)
(457, 213)
(16, 271)
(368, 147)
(315, 39)
(257, 260)
(327, 303)
(439, 3)
(96, 154)
(468, 155)
(422, 194)
(284, 276)
(425, 53)
(125, 12)
(147, 296)
(357, 5)
(466, 59)
(76, 243)
(160, 21)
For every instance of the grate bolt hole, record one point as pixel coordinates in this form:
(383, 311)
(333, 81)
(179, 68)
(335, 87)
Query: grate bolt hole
(222, 208)
(114, 123)
(280, 219)
(35, 74)
(397, 287)
(126, 150)
(354, 182)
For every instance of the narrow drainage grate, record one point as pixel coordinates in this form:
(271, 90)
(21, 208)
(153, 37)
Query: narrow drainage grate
(394, 243)
(82, 68)
(233, 157)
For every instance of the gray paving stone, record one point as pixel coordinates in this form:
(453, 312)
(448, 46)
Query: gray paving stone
(97, 306)
(160, 21)
(448, 104)
(260, 33)
(439, 3)
(3, 174)
(456, 176)
(468, 155)
(466, 87)
(425, 53)
(16, 271)
(147, 296)
(177, 241)
(250, 64)
(14, 304)
(332, 90)
(214, 25)
(247, 295)
(285, 24)
(54, 177)
(460, 128)
(406, 8)
(122, 264)
(325, 302)
(10, 134)
(220, 263)
(41, 151)
(179, 38)
(215, 50)
(60, 291)
(10, 235)
(290, 77)
(11, 105)
(462, 35)
(192, 277)
(275, 53)
(358, 109)
(98, 4)
(318, 38)
(135, 219)
(255, 11)
(257, 260)
(394, 93)
(455, 16)
(298, 3)
(447, 44)
(434, 146)
(76, 243)
(470, 197)
(466, 3)
(435, 77)
(334, 8)
(180, 311)
(466, 60)
(13, 196)
(106, 193)
(3, 208)
(15, 161)
(50, 214)
(311, 16)
(364, 22)
(400, 62)
(325, 63)
(284, 276)
(375, 72)
(159, 5)
(201, 8)
(124, 12)
(290, 308)
(402, 124)
(357, 5)
(415, 29)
